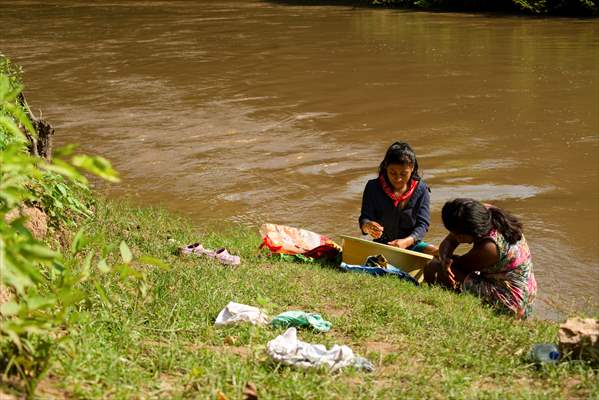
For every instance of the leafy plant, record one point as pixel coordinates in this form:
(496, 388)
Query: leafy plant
(10, 110)
(63, 201)
(34, 322)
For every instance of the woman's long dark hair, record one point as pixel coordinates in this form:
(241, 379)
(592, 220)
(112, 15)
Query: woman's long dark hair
(471, 217)
(400, 153)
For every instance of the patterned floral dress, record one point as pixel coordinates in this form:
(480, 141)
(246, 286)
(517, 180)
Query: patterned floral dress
(510, 284)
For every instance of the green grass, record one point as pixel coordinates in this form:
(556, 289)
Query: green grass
(425, 343)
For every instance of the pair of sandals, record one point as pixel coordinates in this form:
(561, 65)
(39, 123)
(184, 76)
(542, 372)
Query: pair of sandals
(221, 254)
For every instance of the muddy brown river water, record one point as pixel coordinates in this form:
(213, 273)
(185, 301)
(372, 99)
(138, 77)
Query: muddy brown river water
(250, 112)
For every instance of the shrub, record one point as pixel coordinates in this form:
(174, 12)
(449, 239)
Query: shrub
(34, 321)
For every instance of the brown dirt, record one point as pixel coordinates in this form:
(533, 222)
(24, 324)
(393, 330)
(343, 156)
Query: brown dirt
(7, 396)
(37, 224)
(242, 351)
(168, 384)
(49, 389)
(6, 295)
(381, 347)
(267, 267)
(37, 220)
(330, 310)
(64, 237)
(353, 380)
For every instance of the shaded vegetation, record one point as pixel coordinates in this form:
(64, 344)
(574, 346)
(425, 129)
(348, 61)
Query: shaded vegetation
(581, 8)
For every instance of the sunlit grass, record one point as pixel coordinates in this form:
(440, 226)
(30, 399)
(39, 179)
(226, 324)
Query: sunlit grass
(425, 343)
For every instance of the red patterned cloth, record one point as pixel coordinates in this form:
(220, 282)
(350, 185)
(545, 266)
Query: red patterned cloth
(288, 240)
(397, 198)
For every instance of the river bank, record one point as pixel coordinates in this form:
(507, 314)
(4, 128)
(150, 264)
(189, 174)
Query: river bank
(424, 343)
(569, 8)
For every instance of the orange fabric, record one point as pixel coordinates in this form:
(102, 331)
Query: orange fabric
(289, 240)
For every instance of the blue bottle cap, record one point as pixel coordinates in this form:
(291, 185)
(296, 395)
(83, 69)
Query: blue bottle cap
(554, 355)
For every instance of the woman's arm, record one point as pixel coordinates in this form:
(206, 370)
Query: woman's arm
(423, 215)
(402, 243)
(422, 223)
(446, 249)
(368, 225)
(483, 255)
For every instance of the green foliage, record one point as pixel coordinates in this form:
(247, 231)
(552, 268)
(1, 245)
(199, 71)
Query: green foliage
(10, 110)
(558, 6)
(63, 201)
(45, 289)
(576, 7)
(13, 72)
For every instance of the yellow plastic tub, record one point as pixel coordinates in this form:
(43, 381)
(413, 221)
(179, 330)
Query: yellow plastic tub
(356, 250)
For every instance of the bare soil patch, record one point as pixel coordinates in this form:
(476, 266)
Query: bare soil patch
(333, 311)
(37, 220)
(49, 388)
(241, 351)
(381, 347)
(6, 294)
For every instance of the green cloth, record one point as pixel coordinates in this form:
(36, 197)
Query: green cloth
(296, 258)
(301, 319)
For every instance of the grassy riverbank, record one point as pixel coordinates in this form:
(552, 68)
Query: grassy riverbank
(425, 343)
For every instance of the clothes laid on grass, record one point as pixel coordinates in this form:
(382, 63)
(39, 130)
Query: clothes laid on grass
(234, 313)
(301, 319)
(413, 219)
(281, 239)
(510, 284)
(288, 349)
(377, 265)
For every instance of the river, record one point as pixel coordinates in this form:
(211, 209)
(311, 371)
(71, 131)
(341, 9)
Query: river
(251, 112)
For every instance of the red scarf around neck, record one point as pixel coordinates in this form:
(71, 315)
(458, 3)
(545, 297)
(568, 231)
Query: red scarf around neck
(397, 198)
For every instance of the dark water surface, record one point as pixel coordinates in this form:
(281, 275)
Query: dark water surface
(253, 112)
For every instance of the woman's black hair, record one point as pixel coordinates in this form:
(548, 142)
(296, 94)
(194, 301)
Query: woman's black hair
(400, 153)
(471, 217)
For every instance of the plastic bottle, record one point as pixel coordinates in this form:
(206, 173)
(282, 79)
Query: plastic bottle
(544, 353)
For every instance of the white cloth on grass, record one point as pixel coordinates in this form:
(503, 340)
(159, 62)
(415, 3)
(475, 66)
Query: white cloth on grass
(288, 349)
(236, 312)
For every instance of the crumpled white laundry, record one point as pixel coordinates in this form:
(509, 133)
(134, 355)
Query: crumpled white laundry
(288, 349)
(236, 312)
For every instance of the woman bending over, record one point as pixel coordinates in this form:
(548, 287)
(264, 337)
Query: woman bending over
(497, 269)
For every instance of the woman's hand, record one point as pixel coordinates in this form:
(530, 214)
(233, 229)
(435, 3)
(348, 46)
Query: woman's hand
(450, 274)
(374, 229)
(402, 243)
(436, 273)
(446, 249)
(446, 260)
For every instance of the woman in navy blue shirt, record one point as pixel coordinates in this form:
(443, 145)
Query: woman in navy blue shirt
(396, 205)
